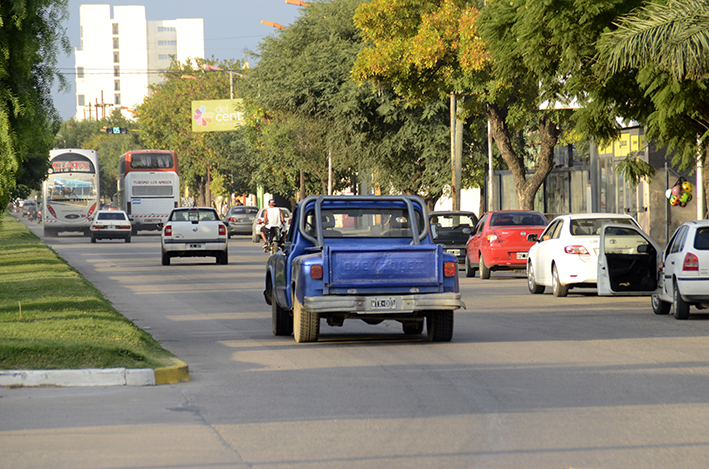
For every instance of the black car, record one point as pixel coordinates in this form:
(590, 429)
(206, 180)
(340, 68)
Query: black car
(452, 229)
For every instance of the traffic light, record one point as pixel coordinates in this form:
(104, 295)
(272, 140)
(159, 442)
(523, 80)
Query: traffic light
(115, 130)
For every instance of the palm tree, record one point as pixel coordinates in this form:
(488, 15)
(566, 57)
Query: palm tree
(668, 45)
(674, 37)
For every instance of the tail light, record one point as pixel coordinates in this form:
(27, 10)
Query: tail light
(259, 221)
(576, 249)
(222, 230)
(97, 227)
(316, 272)
(91, 210)
(450, 269)
(175, 204)
(168, 230)
(51, 210)
(491, 238)
(691, 262)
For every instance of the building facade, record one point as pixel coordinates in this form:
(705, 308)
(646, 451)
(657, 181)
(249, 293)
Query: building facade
(121, 54)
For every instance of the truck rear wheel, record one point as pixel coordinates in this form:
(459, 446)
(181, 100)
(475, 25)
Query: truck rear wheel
(281, 318)
(440, 326)
(306, 326)
(165, 258)
(413, 328)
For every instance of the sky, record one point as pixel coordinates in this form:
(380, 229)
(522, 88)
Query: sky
(231, 27)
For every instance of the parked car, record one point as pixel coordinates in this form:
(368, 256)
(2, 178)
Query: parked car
(113, 224)
(500, 241)
(684, 276)
(240, 219)
(565, 256)
(258, 223)
(194, 232)
(452, 230)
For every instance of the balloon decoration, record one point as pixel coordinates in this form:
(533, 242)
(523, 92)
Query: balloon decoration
(681, 193)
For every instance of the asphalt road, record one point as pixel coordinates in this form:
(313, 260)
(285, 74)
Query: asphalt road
(529, 381)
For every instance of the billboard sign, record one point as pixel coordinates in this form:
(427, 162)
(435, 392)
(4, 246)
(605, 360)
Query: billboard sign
(217, 115)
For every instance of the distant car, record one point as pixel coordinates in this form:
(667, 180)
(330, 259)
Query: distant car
(194, 232)
(500, 241)
(565, 256)
(113, 224)
(258, 223)
(28, 206)
(240, 219)
(452, 230)
(684, 278)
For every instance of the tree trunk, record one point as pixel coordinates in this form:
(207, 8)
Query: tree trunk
(525, 188)
(705, 177)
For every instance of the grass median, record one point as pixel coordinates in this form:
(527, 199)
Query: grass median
(52, 318)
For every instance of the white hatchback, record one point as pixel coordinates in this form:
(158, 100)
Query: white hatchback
(684, 277)
(565, 255)
(110, 224)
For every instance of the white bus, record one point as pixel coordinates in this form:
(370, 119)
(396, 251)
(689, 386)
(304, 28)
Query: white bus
(148, 187)
(71, 191)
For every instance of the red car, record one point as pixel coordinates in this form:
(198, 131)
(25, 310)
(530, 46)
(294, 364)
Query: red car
(500, 241)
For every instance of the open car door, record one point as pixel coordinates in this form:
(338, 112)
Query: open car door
(628, 262)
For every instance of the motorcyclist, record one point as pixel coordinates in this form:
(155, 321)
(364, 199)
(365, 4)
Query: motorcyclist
(272, 220)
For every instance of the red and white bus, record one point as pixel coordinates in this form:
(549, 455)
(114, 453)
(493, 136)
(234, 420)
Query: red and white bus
(71, 191)
(148, 187)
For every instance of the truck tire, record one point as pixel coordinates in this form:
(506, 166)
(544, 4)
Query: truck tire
(440, 326)
(280, 318)
(165, 258)
(306, 326)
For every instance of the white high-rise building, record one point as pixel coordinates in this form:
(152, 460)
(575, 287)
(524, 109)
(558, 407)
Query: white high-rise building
(122, 53)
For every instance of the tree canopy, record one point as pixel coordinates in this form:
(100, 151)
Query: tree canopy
(31, 35)
(165, 124)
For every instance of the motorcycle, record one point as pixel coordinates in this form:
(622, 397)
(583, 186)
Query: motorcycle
(32, 215)
(275, 243)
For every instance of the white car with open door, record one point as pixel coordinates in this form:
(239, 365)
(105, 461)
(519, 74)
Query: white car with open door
(684, 276)
(628, 262)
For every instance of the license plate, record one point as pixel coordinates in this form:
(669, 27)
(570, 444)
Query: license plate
(196, 246)
(521, 255)
(382, 303)
(151, 220)
(244, 220)
(455, 252)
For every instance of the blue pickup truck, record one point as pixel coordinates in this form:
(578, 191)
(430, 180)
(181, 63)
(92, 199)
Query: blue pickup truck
(362, 257)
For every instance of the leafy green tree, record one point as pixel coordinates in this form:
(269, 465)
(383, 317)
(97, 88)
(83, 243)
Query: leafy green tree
(515, 61)
(312, 109)
(165, 123)
(30, 38)
(666, 47)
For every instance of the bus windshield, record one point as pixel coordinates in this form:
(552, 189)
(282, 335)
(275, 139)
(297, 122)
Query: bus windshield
(151, 161)
(77, 188)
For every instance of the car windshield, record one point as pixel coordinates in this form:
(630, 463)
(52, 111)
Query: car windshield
(386, 222)
(194, 215)
(701, 239)
(592, 226)
(244, 210)
(518, 218)
(450, 226)
(111, 216)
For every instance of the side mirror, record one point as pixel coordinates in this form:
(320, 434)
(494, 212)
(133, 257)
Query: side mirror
(533, 238)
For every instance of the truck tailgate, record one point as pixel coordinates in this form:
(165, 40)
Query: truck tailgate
(382, 267)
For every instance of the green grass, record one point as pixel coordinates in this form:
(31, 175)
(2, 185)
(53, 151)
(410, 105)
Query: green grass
(52, 318)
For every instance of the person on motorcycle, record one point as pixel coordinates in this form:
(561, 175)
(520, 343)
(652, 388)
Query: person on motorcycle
(272, 220)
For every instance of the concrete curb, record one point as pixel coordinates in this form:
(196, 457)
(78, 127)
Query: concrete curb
(96, 376)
